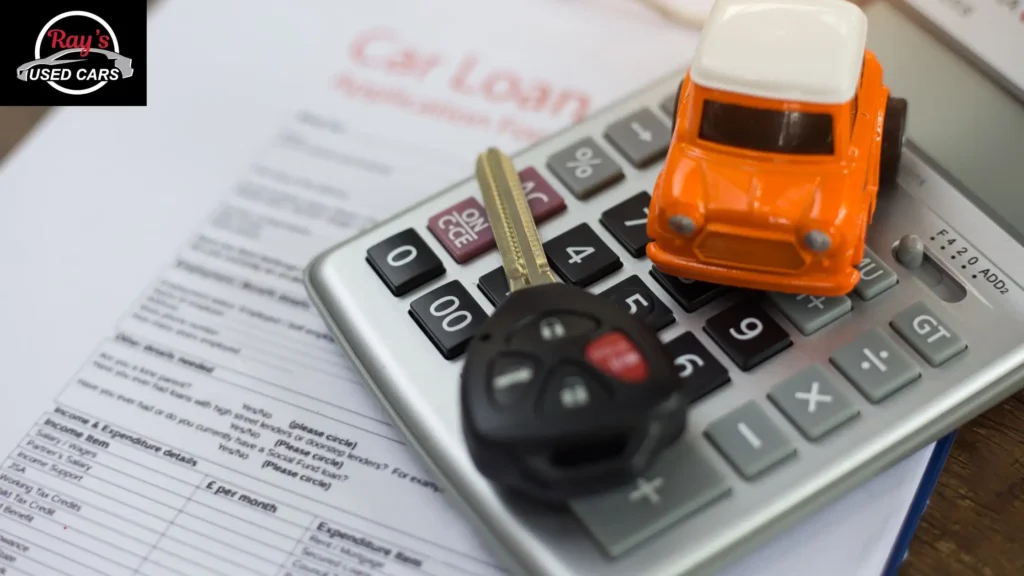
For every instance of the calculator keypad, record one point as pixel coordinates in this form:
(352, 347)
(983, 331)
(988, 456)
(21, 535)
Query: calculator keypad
(749, 440)
(668, 105)
(813, 402)
(875, 365)
(404, 262)
(811, 313)
(699, 370)
(463, 229)
(875, 277)
(642, 138)
(810, 405)
(544, 201)
(928, 334)
(748, 334)
(689, 294)
(679, 484)
(580, 257)
(449, 316)
(633, 296)
(494, 285)
(627, 222)
(585, 168)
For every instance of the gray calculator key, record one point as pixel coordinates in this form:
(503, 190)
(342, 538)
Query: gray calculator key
(585, 168)
(811, 313)
(641, 137)
(680, 483)
(928, 334)
(875, 277)
(668, 105)
(749, 440)
(875, 365)
(811, 401)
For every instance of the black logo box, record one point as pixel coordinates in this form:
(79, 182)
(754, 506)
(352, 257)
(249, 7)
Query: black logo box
(127, 20)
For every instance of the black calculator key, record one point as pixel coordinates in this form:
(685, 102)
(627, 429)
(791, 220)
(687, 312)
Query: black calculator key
(689, 294)
(627, 222)
(404, 262)
(633, 296)
(701, 372)
(449, 316)
(580, 257)
(494, 285)
(747, 333)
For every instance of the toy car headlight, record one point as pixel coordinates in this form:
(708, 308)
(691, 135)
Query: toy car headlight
(820, 239)
(686, 222)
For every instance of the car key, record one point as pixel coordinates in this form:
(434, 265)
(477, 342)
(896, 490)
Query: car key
(563, 394)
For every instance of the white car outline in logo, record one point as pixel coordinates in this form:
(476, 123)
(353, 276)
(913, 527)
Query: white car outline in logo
(122, 63)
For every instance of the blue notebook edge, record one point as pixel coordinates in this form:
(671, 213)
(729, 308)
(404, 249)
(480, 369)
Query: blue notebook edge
(929, 480)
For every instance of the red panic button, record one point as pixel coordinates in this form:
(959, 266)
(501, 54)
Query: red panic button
(616, 355)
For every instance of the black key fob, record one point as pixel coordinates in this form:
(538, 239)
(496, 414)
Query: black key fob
(566, 395)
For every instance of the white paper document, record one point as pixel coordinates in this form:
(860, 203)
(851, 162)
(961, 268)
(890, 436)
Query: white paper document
(171, 404)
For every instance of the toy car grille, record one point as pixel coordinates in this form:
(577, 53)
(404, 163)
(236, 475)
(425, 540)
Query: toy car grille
(758, 253)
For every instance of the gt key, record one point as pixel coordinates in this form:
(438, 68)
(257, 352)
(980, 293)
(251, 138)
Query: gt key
(563, 393)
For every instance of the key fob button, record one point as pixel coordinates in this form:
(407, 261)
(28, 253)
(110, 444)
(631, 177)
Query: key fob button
(511, 376)
(617, 356)
(552, 327)
(570, 389)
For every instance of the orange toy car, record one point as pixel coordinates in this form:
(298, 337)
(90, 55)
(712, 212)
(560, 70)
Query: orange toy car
(783, 132)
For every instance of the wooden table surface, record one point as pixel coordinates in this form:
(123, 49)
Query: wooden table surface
(975, 523)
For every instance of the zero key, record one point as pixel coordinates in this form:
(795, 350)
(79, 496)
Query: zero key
(404, 262)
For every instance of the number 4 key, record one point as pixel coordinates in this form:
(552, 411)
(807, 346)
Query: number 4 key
(580, 257)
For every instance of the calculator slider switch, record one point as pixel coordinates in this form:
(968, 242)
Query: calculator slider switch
(910, 251)
(912, 254)
(586, 409)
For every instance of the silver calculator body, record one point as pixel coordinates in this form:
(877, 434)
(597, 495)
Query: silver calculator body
(762, 449)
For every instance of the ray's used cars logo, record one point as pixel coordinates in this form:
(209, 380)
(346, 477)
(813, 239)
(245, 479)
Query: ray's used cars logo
(75, 55)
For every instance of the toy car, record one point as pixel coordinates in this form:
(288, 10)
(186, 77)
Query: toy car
(782, 134)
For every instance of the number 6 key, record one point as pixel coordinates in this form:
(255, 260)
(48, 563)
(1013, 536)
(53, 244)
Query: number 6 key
(563, 393)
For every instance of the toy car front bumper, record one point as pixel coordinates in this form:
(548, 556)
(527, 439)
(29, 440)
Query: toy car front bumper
(838, 283)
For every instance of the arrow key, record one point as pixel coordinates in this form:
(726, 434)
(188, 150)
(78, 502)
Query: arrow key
(641, 137)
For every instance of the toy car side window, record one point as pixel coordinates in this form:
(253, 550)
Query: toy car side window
(766, 130)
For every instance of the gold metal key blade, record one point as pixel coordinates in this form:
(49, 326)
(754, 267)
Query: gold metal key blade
(508, 212)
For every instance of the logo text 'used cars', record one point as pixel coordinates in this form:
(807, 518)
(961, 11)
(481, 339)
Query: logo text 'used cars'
(76, 53)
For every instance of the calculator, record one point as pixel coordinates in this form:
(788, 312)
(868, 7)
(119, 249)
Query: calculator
(795, 399)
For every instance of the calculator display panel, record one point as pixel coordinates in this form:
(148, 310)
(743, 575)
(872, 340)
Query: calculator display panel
(958, 116)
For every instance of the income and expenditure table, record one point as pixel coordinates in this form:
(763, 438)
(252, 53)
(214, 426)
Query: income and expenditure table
(114, 502)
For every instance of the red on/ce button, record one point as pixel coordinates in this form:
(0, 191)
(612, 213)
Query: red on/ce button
(616, 355)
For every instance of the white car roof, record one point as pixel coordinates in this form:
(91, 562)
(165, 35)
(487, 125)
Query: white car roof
(797, 50)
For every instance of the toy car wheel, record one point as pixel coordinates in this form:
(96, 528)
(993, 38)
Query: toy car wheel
(675, 106)
(893, 133)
